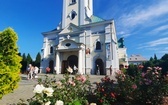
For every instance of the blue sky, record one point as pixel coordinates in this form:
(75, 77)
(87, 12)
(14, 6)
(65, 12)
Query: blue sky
(142, 23)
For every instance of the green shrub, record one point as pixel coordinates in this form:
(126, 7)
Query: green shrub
(145, 88)
(9, 61)
(105, 92)
(69, 90)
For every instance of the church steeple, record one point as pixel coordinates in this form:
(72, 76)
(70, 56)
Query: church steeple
(77, 12)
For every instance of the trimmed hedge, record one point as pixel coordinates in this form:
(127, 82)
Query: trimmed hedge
(9, 62)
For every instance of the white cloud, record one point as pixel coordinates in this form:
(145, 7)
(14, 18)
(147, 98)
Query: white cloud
(142, 15)
(161, 28)
(152, 44)
(158, 42)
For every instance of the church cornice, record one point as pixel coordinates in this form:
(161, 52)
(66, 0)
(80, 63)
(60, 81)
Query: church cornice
(97, 23)
(51, 32)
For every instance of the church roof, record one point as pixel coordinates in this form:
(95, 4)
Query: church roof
(95, 19)
(136, 58)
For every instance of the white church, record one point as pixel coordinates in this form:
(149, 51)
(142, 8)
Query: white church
(82, 40)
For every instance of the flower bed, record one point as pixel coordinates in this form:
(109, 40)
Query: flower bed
(144, 88)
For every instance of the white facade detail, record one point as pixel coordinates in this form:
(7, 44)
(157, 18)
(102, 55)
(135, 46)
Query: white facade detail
(81, 40)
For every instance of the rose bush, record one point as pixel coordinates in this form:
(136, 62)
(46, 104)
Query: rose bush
(105, 91)
(142, 88)
(71, 90)
(148, 87)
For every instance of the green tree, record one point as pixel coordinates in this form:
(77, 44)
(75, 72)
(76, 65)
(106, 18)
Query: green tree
(29, 59)
(155, 57)
(38, 59)
(24, 63)
(9, 61)
(164, 63)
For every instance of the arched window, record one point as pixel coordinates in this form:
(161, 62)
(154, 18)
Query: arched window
(51, 50)
(98, 45)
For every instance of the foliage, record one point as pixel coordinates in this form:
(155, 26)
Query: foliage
(105, 91)
(24, 63)
(132, 70)
(38, 60)
(70, 90)
(145, 88)
(29, 59)
(9, 61)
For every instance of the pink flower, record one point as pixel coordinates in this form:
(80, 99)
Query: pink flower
(81, 78)
(134, 86)
(72, 83)
(148, 82)
(149, 68)
(159, 68)
(156, 73)
(143, 74)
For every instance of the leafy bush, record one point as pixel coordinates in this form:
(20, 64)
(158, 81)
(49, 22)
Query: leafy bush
(9, 62)
(145, 88)
(105, 92)
(69, 90)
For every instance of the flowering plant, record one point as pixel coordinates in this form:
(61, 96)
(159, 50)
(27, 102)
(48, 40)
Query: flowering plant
(145, 88)
(105, 92)
(67, 91)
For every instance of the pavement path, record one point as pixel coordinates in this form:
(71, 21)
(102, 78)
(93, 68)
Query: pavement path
(25, 89)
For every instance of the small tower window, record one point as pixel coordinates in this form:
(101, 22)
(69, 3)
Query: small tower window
(72, 2)
(98, 45)
(51, 50)
(72, 14)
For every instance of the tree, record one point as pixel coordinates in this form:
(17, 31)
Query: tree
(38, 59)
(164, 63)
(9, 61)
(29, 59)
(155, 58)
(24, 63)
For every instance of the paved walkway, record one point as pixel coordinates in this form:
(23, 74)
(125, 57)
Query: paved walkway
(25, 89)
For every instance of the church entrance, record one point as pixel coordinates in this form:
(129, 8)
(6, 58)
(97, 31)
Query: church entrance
(51, 66)
(99, 67)
(71, 62)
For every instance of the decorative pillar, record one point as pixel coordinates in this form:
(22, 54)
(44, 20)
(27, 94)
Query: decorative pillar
(80, 62)
(57, 62)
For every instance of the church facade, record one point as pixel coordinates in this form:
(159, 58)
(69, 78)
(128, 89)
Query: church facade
(81, 40)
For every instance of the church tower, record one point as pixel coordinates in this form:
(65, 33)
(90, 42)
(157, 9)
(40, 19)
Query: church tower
(77, 12)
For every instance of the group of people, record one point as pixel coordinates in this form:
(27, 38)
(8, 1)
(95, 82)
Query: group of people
(98, 70)
(32, 71)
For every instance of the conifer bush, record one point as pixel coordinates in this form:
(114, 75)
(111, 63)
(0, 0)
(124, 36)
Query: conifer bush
(9, 61)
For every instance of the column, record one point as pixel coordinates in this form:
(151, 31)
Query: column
(57, 62)
(80, 62)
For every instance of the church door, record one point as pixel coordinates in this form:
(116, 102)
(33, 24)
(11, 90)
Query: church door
(64, 66)
(99, 66)
(72, 61)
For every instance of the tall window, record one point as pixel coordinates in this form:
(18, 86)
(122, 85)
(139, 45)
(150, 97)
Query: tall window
(51, 50)
(98, 45)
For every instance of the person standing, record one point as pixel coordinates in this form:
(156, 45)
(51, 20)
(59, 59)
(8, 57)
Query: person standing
(98, 70)
(47, 70)
(75, 69)
(110, 69)
(30, 72)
